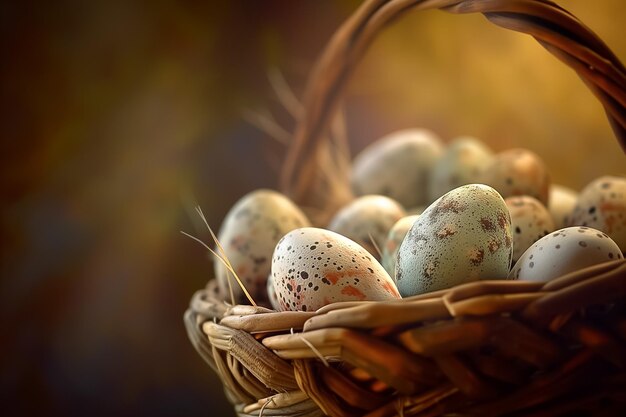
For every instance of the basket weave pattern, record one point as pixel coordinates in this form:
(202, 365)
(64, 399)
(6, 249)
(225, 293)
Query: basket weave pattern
(488, 348)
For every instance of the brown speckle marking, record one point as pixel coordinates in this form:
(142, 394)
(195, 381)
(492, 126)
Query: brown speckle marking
(476, 256)
(494, 245)
(445, 232)
(502, 220)
(487, 225)
(353, 292)
(445, 206)
(430, 268)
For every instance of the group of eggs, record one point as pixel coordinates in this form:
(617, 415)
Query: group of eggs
(426, 217)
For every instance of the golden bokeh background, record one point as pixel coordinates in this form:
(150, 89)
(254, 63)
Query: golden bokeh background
(119, 116)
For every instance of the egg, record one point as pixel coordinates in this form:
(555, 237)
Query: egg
(249, 234)
(530, 221)
(562, 201)
(314, 267)
(518, 172)
(564, 251)
(462, 163)
(367, 218)
(394, 240)
(602, 205)
(464, 236)
(398, 166)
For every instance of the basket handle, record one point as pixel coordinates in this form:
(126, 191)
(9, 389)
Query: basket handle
(553, 27)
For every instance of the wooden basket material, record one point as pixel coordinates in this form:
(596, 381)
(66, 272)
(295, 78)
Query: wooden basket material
(488, 348)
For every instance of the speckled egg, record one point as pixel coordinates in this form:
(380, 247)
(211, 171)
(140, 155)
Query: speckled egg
(561, 205)
(464, 236)
(249, 234)
(462, 163)
(394, 240)
(518, 172)
(564, 251)
(602, 205)
(530, 221)
(370, 215)
(398, 166)
(314, 267)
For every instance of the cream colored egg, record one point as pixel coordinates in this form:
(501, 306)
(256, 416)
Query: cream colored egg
(394, 240)
(602, 205)
(249, 234)
(398, 166)
(462, 163)
(518, 172)
(564, 251)
(530, 221)
(367, 220)
(464, 236)
(561, 205)
(314, 267)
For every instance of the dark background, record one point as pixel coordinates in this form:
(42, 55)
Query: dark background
(118, 117)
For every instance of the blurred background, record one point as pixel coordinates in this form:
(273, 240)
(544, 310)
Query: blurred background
(118, 117)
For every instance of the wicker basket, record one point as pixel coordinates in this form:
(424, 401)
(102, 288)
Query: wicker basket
(488, 348)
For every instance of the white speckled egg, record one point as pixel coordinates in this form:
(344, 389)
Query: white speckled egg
(398, 166)
(464, 236)
(602, 205)
(249, 234)
(314, 267)
(368, 215)
(271, 293)
(394, 240)
(462, 163)
(561, 205)
(518, 172)
(564, 251)
(530, 221)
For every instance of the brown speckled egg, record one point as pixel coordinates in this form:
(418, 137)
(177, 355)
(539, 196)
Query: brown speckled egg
(368, 215)
(562, 203)
(314, 267)
(564, 251)
(464, 236)
(398, 166)
(249, 234)
(602, 205)
(518, 172)
(530, 221)
(462, 163)
(394, 240)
